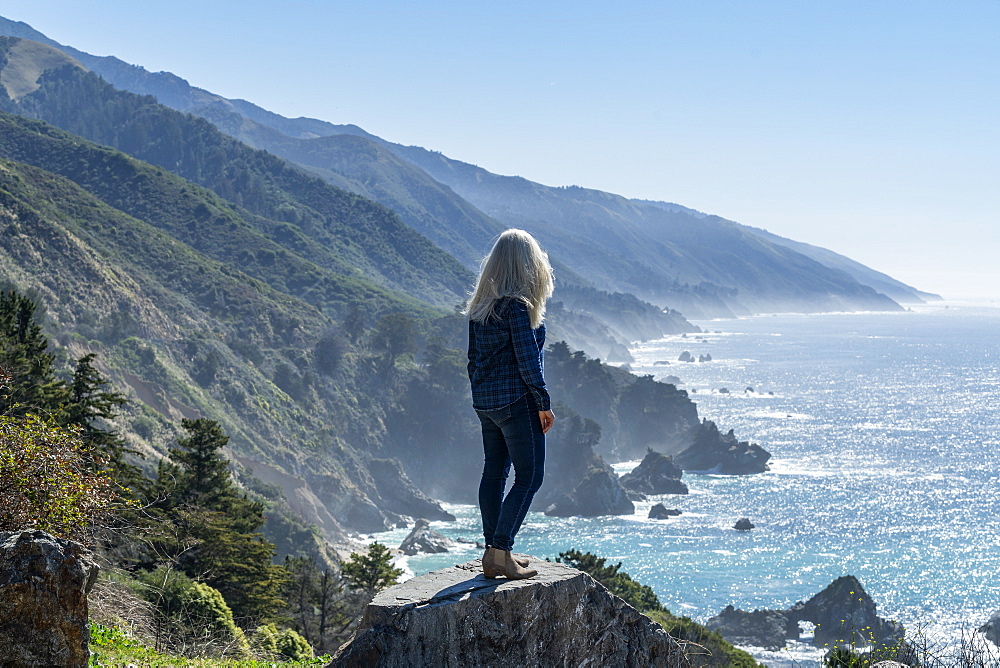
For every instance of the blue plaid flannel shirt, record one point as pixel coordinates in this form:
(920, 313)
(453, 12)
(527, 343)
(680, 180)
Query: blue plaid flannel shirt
(505, 358)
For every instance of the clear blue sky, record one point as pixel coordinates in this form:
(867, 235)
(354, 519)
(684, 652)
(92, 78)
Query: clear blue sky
(869, 127)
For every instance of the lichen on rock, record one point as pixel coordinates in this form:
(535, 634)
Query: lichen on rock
(44, 582)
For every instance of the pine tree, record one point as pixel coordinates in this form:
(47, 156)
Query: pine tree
(211, 529)
(24, 357)
(371, 572)
(89, 405)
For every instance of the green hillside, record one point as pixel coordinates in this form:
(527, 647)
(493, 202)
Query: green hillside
(328, 226)
(188, 336)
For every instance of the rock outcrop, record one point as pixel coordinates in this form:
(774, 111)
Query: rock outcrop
(761, 628)
(743, 524)
(991, 629)
(599, 493)
(655, 474)
(722, 453)
(456, 617)
(425, 539)
(661, 512)
(44, 582)
(844, 615)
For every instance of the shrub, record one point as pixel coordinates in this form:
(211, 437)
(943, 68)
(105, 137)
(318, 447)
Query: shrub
(49, 480)
(286, 642)
(194, 617)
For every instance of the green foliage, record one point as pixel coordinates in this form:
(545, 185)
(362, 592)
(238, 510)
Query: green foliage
(371, 572)
(32, 386)
(193, 614)
(91, 406)
(303, 215)
(48, 480)
(211, 530)
(319, 606)
(702, 646)
(285, 642)
(619, 583)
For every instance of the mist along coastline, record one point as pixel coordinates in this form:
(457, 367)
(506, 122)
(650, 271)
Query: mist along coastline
(884, 467)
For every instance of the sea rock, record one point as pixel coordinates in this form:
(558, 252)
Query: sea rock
(685, 357)
(661, 512)
(655, 474)
(722, 453)
(991, 629)
(846, 615)
(455, 617)
(761, 628)
(44, 582)
(705, 358)
(599, 493)
(743, 524)
(424, 539)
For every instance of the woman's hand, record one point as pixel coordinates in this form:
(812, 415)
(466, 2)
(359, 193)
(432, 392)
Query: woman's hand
(546, 418)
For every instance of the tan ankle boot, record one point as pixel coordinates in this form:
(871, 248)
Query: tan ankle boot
(521, 561)
(490, 568)
(503, 562)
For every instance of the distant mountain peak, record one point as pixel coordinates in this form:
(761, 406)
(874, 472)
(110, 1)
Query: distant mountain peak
(26, 62)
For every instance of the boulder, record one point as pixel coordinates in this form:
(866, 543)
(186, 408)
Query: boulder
(761, 628)
(722, 453)
(44, 582)
(655, 474)
(661, 512)
(743, 524)
(455, 617)
(599, 493)
(424, 539)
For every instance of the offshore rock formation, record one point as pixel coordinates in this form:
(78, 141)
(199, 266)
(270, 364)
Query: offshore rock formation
(844, 612)
(844, 615)
(661, 512)
(743, 524)
(761, 628)
(722, 453)
(44, 582)
(599, 493)
(424, 539)
(655, 474)
(456, 617)
(991, 629)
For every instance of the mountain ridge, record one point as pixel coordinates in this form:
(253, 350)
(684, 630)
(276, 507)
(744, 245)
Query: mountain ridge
(809, 285)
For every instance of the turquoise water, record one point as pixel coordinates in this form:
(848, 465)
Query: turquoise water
(885, 439)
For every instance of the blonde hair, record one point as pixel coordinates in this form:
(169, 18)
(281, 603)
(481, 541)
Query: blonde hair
(516, 267)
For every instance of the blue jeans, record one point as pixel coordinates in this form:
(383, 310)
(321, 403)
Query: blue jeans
(512, 434)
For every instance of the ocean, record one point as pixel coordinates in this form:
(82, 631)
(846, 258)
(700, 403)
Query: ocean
(885, 443)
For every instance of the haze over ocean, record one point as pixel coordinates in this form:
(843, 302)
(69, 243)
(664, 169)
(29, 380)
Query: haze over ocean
(886, 456)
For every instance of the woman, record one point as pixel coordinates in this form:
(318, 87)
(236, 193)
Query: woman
(506, 337)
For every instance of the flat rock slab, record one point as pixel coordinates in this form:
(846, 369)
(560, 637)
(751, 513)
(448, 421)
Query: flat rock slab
(457, 617)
